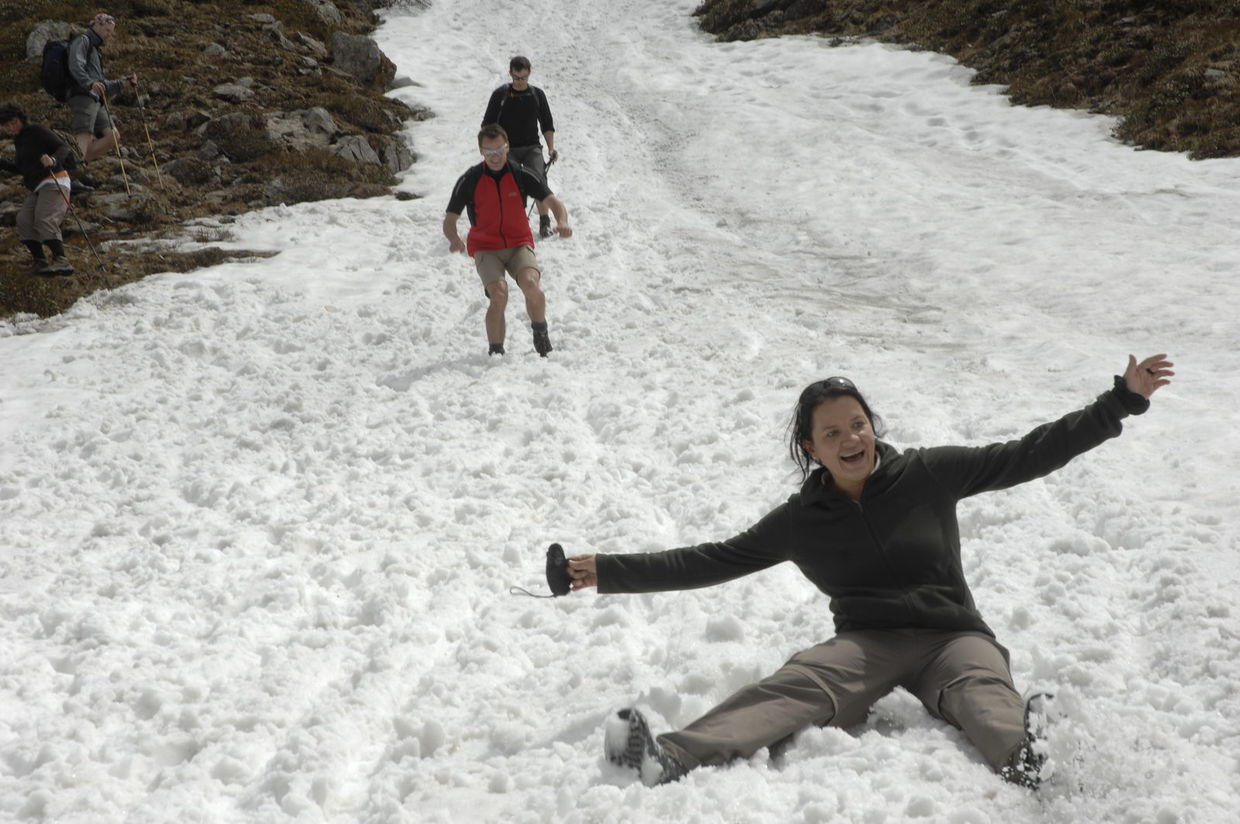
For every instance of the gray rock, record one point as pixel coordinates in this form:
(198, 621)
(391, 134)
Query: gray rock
(42, 33)
(303, 129)
(192, 170)
(357, 149)
(233, 92)
(326, 10)
(361, 58)
(137, 207)
(190, 119)
(214, 50)
(395, 154)
(208, 151)
(262, 19)
(316, 47)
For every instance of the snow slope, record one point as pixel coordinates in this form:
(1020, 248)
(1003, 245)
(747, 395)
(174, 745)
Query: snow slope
(258, 522)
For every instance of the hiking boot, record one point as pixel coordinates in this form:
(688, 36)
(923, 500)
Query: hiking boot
(542, 343)
(38, 266)
(1028, 765)
(544, 226)
(60, 265)
(77, 186)
(627, 742)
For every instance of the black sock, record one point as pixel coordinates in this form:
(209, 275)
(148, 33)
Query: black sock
(56, 247)
(538, 326)
(36, 249)
(496, 349)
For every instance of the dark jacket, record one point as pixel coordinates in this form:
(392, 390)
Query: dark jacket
(32, 143)
(86, 66)
(522, 114)
(892, 559)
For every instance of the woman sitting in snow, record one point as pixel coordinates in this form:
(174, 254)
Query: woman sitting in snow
(874, 529)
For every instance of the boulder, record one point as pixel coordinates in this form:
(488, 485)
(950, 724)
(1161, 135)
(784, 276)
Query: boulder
(360, 57)
(357, 149)
(303, 129)
(44, 32)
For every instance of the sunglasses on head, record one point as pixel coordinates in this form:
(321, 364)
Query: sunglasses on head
(837, 382)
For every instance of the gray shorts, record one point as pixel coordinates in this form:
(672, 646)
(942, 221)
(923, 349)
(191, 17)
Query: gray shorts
(492, 265)
(89, 115)
(530, 157)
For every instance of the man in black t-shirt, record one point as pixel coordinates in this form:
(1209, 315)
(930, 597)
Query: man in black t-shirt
(522, 111)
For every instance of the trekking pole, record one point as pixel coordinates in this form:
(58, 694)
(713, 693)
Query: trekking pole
(81, 228)
(546, 169)
(117, 143)
(149, 142)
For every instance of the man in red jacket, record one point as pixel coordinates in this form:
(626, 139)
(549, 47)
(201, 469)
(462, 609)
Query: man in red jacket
(499, 240)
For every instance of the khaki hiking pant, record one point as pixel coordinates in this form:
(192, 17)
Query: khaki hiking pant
(960, 677)
(41, 214)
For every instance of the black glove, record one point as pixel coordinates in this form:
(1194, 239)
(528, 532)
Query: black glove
(557, 571)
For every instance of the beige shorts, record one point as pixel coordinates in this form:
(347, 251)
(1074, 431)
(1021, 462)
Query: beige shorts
(491, 264)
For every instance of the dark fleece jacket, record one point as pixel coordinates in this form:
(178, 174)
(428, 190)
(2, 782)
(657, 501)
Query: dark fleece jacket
(892, 559)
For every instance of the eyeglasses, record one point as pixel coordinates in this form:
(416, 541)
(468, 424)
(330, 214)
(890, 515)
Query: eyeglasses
(517, 77)
(494, 152)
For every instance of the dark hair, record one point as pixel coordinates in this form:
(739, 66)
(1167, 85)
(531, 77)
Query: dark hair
(8, 111)
(519, 63)
(492, 130)
(801, 425)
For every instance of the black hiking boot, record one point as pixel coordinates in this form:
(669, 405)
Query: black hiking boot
(627, 742)
(544, 226)
(542, 343)
(38, 266)
(1027, 767)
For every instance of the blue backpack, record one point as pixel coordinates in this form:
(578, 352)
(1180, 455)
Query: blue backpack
(54, 73)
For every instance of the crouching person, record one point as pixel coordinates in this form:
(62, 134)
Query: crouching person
(40, 160)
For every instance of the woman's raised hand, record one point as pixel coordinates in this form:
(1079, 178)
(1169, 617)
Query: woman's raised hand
(1147, 376)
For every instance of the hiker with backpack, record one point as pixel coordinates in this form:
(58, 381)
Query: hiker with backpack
(521, 109)
(493, 194)
(41, 156)
(89, 90)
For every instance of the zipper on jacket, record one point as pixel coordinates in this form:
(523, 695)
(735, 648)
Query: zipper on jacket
(904, 598)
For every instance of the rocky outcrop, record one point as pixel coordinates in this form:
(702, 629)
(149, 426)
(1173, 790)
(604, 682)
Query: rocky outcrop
(236, 112)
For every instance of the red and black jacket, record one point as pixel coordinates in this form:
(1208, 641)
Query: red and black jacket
(495, 202)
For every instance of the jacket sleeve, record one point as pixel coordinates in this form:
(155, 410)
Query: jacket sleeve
(491, 115)
(761, 546)
(79, 54)
(54, 147)
(546, 123)
(969, 470)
